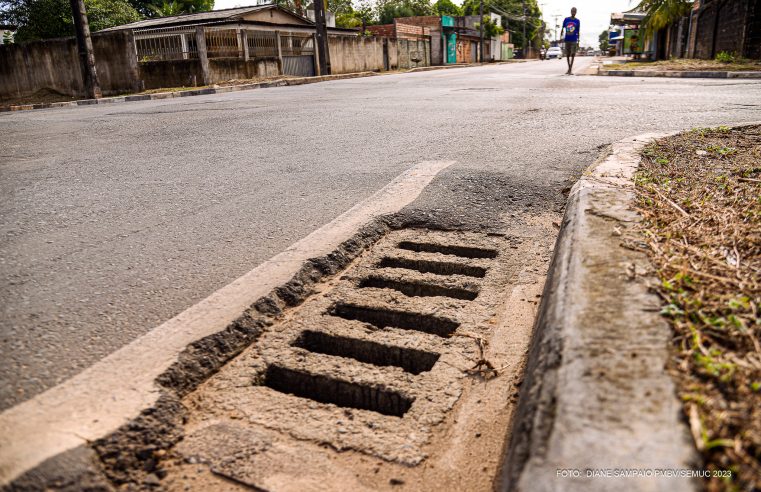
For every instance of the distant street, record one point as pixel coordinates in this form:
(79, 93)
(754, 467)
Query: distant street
(114, 219)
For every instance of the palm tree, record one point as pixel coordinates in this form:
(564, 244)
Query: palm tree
(662, 13)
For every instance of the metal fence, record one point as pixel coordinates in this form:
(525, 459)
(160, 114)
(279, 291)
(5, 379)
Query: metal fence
(179, 43)
(297, 44)
(223, 43)
(261, 43)
(167, 43)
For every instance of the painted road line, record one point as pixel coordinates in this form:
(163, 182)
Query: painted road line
(115, 390)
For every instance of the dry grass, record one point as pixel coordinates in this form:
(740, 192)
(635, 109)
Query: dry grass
(680, 65)
(700, 196)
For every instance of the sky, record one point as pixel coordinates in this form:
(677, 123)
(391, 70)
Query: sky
(593, 14)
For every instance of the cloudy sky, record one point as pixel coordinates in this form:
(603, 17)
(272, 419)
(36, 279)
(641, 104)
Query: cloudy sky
(593, 14)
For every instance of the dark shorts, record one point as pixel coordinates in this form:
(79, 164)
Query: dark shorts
(570, 48)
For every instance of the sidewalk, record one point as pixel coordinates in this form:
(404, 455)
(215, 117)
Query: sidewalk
(217, 89)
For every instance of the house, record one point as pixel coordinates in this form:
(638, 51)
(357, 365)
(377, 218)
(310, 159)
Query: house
(244, 33)
(712, 26)
(452, 39)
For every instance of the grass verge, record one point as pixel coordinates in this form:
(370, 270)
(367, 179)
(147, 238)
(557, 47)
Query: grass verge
(700, 196)
(689, 65)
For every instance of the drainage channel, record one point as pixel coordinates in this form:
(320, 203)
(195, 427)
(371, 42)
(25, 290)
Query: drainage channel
(377, 365)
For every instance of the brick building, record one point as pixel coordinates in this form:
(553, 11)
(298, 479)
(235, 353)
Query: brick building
(453, 39)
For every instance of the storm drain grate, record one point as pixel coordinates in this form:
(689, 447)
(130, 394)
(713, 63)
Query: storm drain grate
(463, 251)
(435, 267)
(418, 289)
(342, 393)
(411, 360)
(378, 343)
(383, 318)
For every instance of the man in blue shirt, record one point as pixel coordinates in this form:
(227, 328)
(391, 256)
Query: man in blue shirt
(571, 27)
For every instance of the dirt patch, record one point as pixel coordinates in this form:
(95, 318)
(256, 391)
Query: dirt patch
(700, 196)
(43, 96)
(688, 66)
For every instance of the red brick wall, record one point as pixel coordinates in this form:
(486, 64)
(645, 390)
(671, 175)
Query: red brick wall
(408, 31)
(422, 20)
(385, 30)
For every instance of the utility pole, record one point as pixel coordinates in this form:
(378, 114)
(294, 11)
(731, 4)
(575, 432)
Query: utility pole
(322, 36)
(84, 47)
(525, 41)
(481, 27)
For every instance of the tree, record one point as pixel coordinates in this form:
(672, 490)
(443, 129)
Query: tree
(491, 28)
(604, 40)
(177, 7)
(350, 17)
(44, 19)
(661, 13)
(446, 7)
(513, 21)
(388, 10)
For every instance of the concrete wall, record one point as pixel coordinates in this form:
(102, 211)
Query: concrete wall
(54, 65)
(733, 26)
(355, 54)
(170, 73)
(187, 73)
(410, 50)
(361, 54)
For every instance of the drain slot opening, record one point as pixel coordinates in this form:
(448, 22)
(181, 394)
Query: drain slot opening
(411, 360)
(341, 393)
(464, 251)
(435, 267)
(397, 319)
(418, 289)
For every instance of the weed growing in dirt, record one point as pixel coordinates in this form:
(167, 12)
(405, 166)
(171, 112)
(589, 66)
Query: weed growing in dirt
(700, 196)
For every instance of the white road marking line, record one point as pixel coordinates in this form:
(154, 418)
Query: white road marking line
(116, 389)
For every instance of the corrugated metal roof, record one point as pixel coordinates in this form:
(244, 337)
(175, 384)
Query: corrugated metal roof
(197, 18)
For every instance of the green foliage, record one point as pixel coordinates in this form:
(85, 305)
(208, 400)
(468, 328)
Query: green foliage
(177, 7)
(349, 16)
(725, 57)
(388, 10)
(604, 40)
(44, 19)
(661, 13)
(512, 22)
(446, 7)
(491, 28)
(7, 37)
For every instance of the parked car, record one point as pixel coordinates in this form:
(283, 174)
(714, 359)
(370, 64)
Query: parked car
(554, 52)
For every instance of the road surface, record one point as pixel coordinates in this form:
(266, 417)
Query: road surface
(114, 219)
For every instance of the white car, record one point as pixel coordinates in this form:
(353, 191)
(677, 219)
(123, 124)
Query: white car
(554, 52)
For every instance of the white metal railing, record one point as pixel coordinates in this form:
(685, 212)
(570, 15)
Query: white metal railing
(179, 43)
(166, 43)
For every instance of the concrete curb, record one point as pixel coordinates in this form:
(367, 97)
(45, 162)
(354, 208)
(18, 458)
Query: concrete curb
(232, 88)
(681, 75)
(191, 92)
(596, 397)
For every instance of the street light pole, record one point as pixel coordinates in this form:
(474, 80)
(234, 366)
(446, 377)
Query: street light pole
(481, 27)
(84, 47)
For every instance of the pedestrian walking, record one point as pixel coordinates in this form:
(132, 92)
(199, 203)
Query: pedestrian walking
(571, 27)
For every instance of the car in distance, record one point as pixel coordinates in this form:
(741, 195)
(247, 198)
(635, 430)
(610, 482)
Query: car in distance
(554, 52)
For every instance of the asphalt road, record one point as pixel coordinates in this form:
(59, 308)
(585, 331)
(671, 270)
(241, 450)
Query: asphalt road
(114, 219)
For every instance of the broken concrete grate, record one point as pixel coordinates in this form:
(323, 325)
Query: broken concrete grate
(375, 361)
